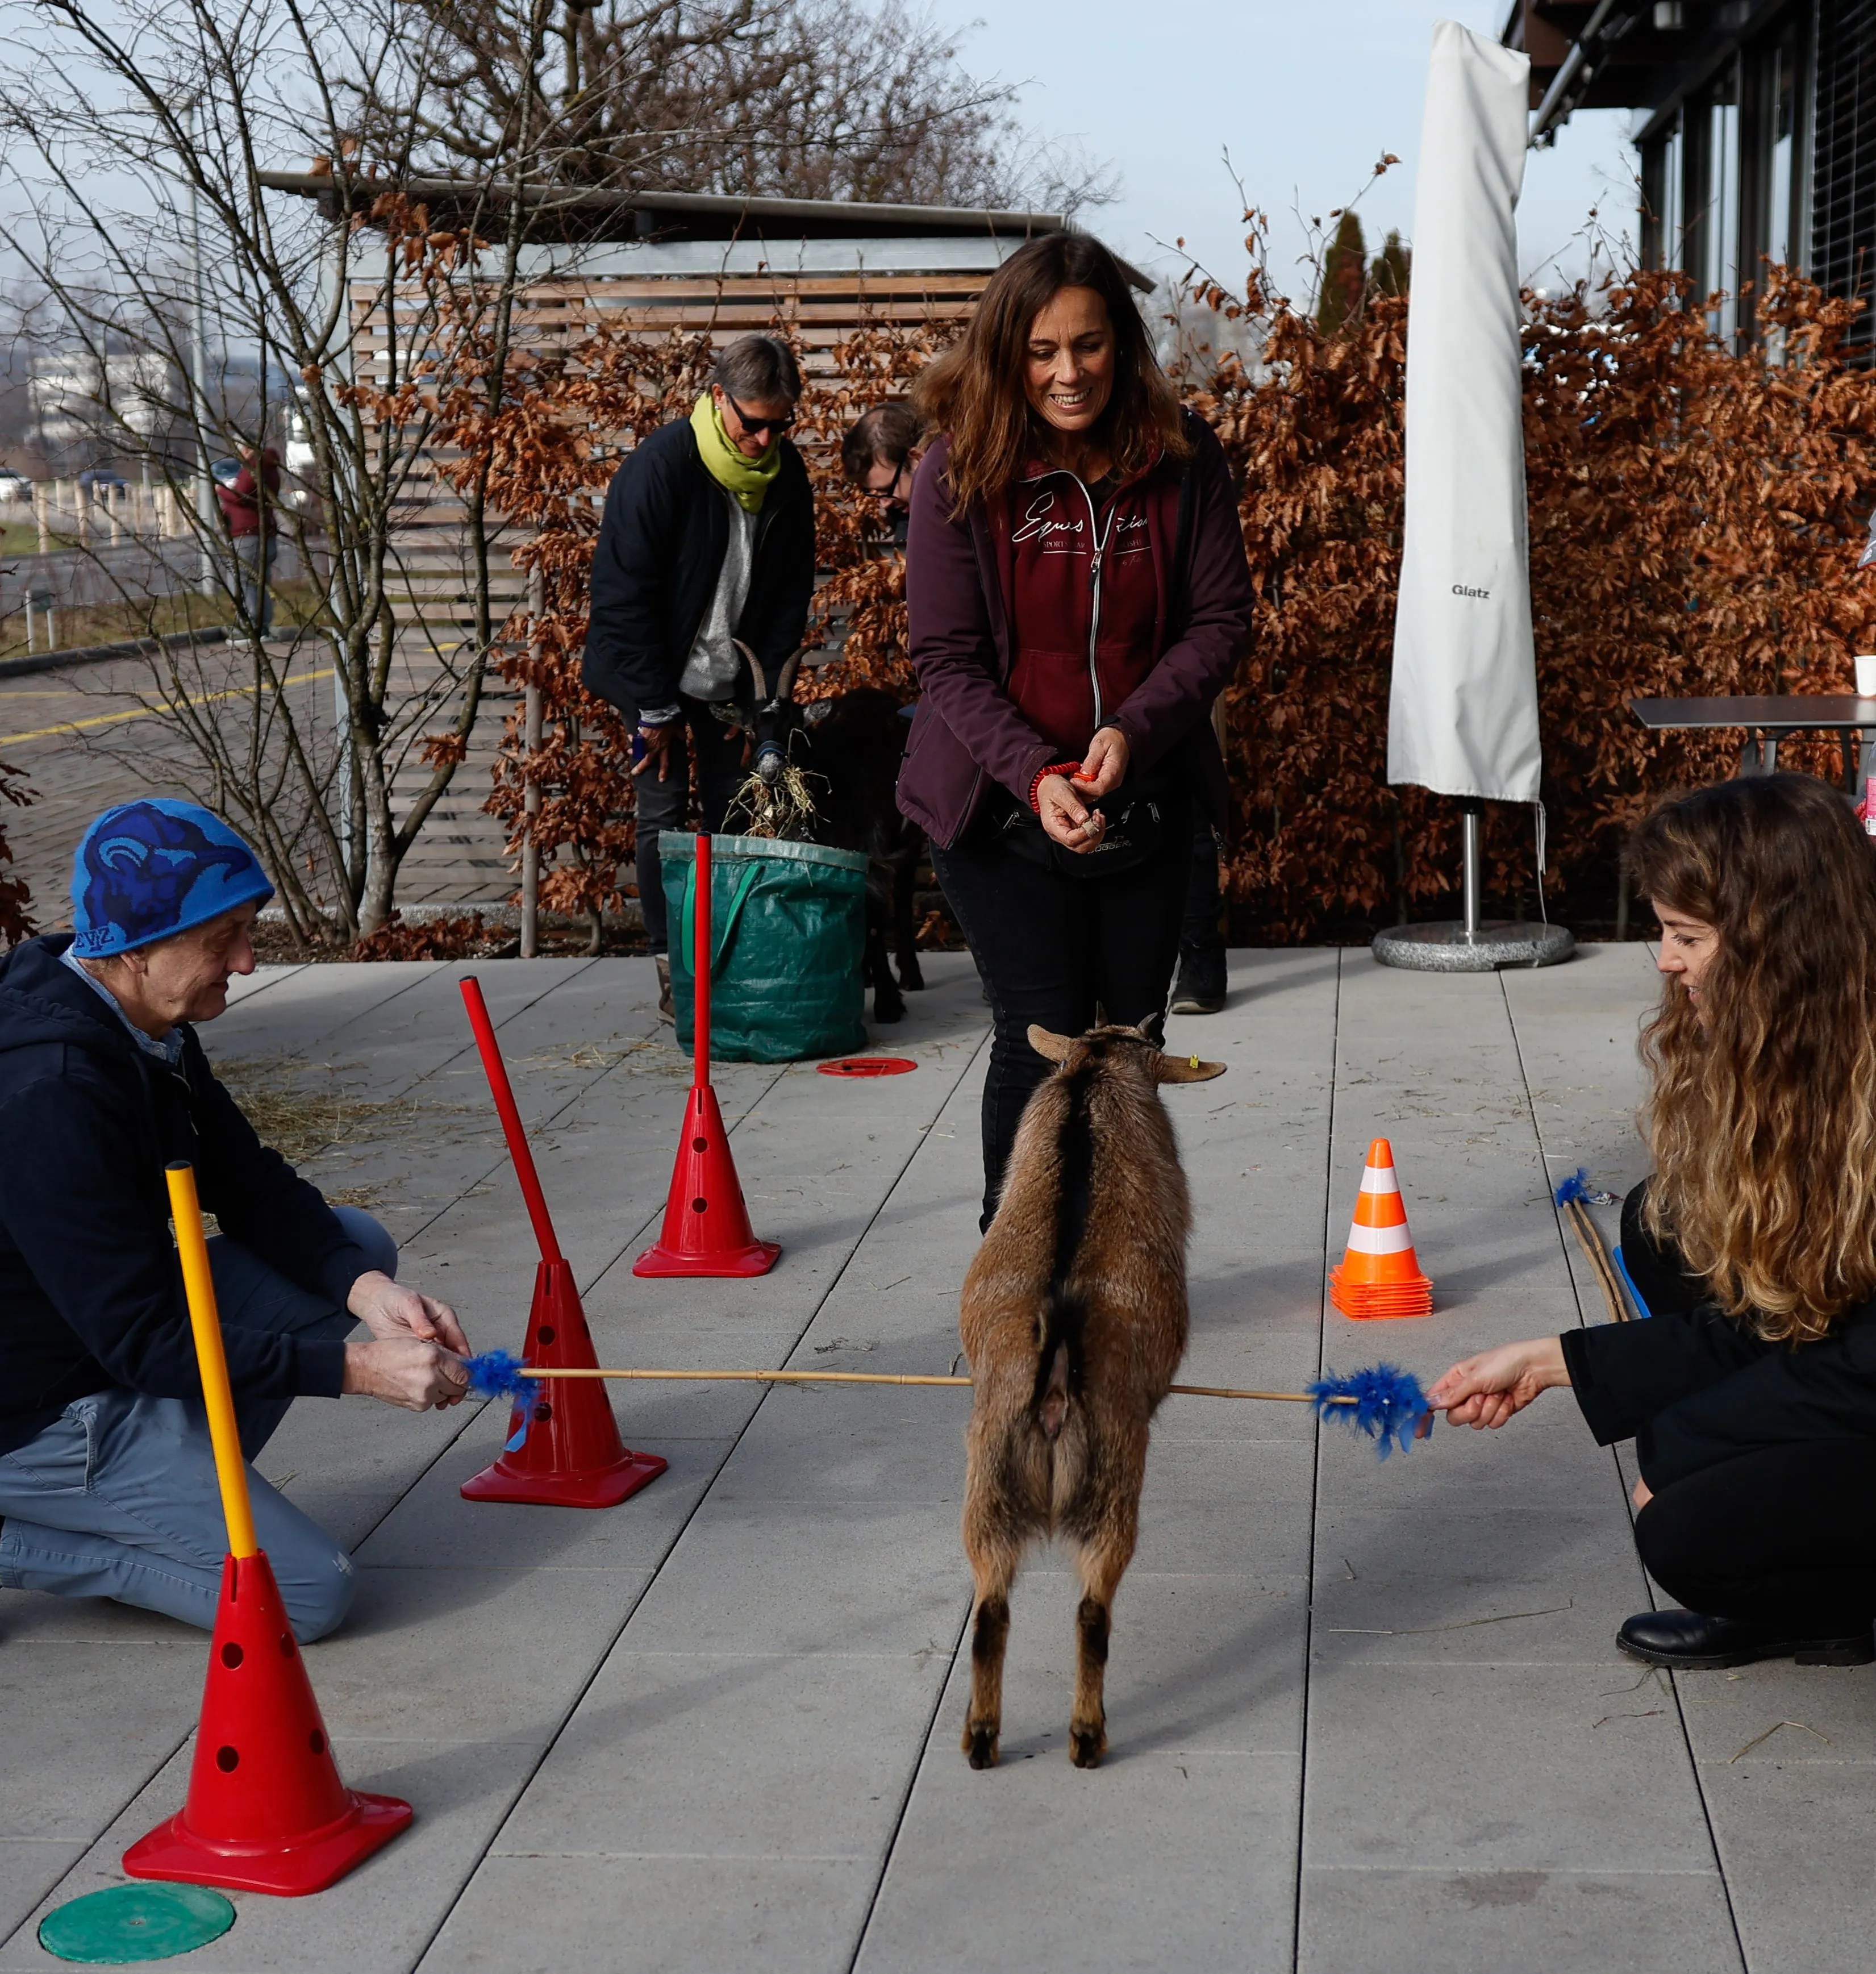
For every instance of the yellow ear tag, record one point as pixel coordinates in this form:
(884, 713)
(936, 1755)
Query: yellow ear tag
(1194, 1062)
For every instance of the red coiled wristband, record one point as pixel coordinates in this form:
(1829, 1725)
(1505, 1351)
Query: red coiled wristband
(1070, 769)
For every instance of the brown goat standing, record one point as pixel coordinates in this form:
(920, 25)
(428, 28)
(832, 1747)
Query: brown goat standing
(1073, 1319)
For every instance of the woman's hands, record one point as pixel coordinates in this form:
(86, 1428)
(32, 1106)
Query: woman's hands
(1486, 1390)
(1066, 816)
(1105, 768)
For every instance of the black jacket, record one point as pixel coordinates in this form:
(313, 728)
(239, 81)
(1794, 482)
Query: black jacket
(91, 1292)
(662, 541)
(1692, 1388)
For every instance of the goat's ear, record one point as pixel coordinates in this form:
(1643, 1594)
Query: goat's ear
(1153, 1029)
(1055, 1047)
(1185, 1069)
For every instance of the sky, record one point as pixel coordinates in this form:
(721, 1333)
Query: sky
(1304, 94)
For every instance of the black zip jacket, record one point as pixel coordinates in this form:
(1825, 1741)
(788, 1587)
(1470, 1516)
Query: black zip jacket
(1692, 1388)
(90, 1291)
(662, 541)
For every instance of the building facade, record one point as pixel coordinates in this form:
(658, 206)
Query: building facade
(1755, 124)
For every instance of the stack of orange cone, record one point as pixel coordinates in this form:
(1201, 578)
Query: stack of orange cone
(1380, 1275)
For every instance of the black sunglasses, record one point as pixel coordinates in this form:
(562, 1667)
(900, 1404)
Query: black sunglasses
(778, 426)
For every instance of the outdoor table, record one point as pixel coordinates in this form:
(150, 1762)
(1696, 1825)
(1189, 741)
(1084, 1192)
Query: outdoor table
(1767, 719)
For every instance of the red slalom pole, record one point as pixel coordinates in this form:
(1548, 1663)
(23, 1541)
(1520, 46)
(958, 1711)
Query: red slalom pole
(560, 1452)
(510, 1115)
(700, 971)
(706, 1228)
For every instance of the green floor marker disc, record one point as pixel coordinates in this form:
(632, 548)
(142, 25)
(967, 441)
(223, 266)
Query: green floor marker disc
(128, 1923)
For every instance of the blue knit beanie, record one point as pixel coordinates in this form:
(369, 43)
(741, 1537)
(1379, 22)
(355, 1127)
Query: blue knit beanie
(146, 869)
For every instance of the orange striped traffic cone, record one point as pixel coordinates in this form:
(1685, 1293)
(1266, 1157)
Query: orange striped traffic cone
(1380, 1275)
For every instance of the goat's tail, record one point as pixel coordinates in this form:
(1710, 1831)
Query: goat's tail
(1059, 1325)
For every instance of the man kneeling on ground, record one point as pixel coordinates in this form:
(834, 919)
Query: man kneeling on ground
(107, 1485)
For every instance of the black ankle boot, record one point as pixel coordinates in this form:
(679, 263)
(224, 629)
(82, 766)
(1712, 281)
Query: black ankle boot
(1688, 1642)
(1199, 989)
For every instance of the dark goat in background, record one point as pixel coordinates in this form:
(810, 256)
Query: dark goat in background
(1074, 1319)
(851, 746)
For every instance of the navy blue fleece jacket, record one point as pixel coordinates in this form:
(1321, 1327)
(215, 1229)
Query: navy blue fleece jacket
(91, 1292)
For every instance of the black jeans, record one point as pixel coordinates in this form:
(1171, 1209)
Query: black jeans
(1049, 947)
(1784, 1536)
(666, 804)
(1199, 933)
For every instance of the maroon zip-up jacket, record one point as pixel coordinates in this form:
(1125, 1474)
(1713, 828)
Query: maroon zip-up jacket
(970, 636)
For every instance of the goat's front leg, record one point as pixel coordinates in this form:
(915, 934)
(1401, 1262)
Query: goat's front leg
(1103, 1561)
(993, 1560)
(888, 1005)
(905, 932)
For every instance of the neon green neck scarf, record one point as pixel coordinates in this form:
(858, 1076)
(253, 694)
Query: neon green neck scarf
(749, 480)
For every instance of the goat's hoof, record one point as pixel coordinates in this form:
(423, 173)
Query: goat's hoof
(980, 1744)
(911, 979)
(885, 1011)
(1087, 1746)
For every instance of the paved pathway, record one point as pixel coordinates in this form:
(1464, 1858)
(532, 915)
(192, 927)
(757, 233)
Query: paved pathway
(1361, 1715)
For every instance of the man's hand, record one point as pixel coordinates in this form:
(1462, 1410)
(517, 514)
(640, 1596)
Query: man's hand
(405, 1371)
(1105, 768)
(658, 752)
(1066, 817)
(389, 1309)
(1486, 1390)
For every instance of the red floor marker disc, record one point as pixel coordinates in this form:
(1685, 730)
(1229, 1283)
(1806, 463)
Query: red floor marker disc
(869, 1065)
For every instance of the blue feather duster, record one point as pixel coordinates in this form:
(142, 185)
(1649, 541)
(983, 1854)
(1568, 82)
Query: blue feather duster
(495, 1375)
(1389, 1403)
(1577, 1187)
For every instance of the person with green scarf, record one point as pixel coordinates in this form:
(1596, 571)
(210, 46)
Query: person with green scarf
(706, 544)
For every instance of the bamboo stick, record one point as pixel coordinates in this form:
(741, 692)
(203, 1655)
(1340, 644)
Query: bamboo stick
(903, 1378)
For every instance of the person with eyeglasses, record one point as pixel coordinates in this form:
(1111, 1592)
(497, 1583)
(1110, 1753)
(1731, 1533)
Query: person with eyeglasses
(879, 454)
(707, 542)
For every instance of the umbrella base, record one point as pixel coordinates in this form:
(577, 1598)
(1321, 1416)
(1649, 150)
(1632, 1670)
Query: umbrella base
(1449, 948)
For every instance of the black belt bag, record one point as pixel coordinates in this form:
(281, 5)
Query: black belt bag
(1135, 825)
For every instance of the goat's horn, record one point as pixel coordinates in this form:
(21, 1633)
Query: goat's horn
(784, 687)
(755, 667)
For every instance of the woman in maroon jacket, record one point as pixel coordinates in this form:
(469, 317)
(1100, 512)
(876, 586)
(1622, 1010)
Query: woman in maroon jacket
(1079, 596)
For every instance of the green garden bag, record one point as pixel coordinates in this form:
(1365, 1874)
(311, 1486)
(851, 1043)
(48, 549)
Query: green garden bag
(788, 922)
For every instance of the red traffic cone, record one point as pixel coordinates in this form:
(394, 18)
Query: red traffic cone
(706, 1228)
(564, 1449)
(267, 1811)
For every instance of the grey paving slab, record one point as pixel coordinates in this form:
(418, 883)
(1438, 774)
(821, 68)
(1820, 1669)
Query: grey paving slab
(29, 1868)
(1513, 1767)
(609, 1915)
(799, 1755)
(1483, 1922)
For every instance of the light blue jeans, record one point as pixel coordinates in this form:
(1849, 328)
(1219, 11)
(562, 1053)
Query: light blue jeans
(117, 1497)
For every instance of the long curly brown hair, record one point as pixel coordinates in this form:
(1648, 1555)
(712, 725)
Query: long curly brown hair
(975, 393)
(1762, 1117)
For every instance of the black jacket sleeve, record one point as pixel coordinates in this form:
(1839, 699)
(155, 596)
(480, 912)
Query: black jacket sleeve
(1692, 1390)
(628, 659)
(781, 584)
(259, 1200)
(76, 1206)
(1624, 1373)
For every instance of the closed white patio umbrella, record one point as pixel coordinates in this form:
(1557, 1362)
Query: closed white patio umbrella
(1462, 716)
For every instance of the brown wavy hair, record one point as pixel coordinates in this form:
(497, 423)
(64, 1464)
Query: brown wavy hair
(1762, 1115)
(975, 393)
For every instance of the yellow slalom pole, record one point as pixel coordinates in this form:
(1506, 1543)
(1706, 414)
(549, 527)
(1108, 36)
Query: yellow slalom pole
(205, 1321)
(900, 1378)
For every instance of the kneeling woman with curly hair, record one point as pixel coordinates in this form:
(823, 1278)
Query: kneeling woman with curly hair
(1750, 1392)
